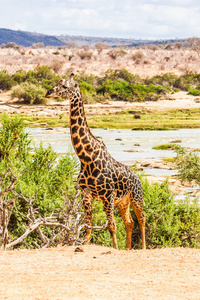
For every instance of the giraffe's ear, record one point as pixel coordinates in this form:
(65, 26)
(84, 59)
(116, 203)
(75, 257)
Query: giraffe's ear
(71, 76)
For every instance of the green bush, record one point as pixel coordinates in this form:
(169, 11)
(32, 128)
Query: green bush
(121, 74)
(14, 142)
(194, 92)
(188, 164)
(116, 84)
(165, 147)
(168, 224)
(44, 76)
(41, 178)
(6, 81)
(30, 93)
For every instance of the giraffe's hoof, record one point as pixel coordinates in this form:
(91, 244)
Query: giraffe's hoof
(79, 249)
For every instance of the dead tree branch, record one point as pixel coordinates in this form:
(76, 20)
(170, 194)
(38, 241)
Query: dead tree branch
(65, 226)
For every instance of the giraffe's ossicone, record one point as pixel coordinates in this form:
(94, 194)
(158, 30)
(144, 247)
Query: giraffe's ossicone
(101, 177)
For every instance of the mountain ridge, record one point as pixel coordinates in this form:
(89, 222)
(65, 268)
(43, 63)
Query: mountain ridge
(27, 39)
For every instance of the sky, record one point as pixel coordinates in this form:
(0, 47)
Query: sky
(136, 19)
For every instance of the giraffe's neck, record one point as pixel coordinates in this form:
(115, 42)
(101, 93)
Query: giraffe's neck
(84, 143)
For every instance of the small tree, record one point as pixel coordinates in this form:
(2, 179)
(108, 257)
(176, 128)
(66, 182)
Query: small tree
(100, 46)
(194, 44)
(85, 55)
(39, 206)
(137, 57)
(30, 93)
(188, 164)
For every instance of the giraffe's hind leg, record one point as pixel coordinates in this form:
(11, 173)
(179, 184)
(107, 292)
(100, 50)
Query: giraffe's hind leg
(87, 202)
(108, 204)
(137, 205)
(123, 207)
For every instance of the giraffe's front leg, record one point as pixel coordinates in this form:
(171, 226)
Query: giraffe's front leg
(109, 208)
(87, 202)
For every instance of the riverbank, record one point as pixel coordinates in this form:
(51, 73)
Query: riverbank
(172, 112)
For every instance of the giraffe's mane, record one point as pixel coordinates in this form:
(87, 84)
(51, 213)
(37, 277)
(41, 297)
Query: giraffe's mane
(86, 120)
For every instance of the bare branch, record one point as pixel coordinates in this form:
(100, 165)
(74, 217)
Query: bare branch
(97, 227)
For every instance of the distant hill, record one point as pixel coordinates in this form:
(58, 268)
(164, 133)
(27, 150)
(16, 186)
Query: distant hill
(113, 42)
(27, 39)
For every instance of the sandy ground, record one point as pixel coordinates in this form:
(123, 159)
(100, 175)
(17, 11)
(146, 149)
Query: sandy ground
(100, 273)
(177, 101)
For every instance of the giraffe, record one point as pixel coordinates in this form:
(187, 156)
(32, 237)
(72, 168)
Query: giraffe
(101, 177)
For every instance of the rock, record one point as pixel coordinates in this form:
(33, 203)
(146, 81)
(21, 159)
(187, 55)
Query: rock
(50, 128)
(133, 150)
(137, 144)
(42, 124)
(137, 116)
(107, 252)
(79, 249)
(133, 112)
(157, 164)
(176, 141)
(118, 139)
(145, 164)
(139, 168)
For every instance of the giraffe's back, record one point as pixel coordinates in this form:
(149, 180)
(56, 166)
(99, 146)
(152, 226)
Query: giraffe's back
(105, 176)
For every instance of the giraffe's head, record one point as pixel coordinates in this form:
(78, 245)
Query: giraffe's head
(64, 88)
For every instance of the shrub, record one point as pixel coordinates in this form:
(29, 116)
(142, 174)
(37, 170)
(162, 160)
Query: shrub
(122, 74)
(56, 65)
(37, 188)
(165, 147)
(194, 92)
(188, 164)
(30, 93)
(168, 224)
(137, 57)
(56, 53)
(6, 81)
(114, 54)
(85, 55)
(14, 142)
(11, 45)
(100, 46)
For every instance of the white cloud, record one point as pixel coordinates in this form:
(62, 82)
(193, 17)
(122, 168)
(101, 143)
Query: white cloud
(136, 18)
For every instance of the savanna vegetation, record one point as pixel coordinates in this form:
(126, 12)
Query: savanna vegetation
(40, 207)
(118, 84)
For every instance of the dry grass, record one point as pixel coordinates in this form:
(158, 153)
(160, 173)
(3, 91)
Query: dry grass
(145, 62)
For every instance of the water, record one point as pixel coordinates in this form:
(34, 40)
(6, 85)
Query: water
(119, 140)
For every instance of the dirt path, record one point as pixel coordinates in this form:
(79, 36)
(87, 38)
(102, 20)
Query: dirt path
(100, 273)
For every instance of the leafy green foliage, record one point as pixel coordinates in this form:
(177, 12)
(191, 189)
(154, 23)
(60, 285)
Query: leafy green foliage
(165, 147)
(41, 176)
(188, 164)
(114, 84)
(168, 224)
(30, 93)
(6, 81)
(41, 75)
(194, 92)
(14, 142)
